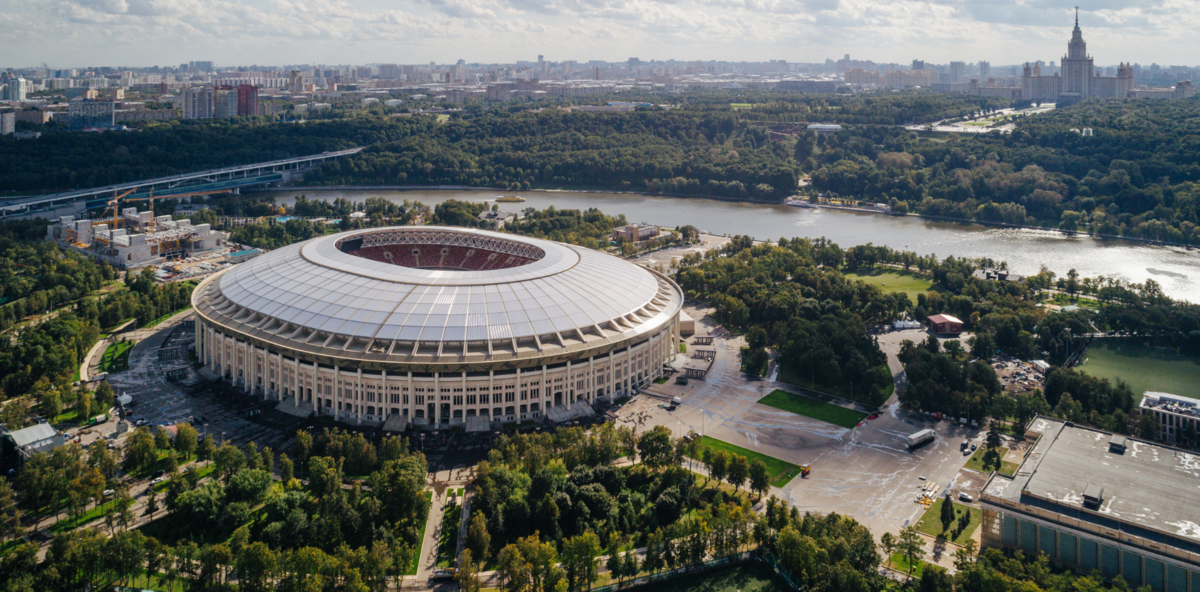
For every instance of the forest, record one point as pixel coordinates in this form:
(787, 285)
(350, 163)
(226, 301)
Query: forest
(1135, 176)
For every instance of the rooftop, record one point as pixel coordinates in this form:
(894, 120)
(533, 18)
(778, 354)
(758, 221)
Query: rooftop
(944, 318)
(1150, 491)
(1171, 403)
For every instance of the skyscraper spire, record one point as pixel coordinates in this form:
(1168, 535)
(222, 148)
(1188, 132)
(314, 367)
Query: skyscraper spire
(1076, 17)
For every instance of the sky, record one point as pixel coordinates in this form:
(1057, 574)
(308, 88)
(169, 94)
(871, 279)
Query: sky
(80, 33)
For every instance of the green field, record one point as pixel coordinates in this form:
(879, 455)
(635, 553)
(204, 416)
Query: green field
(781, 471)
(1145, 369)
(789, 376)
(737, 106)
(801, 405)
(116, 357)
(900, 564)
(1005, 468)
(448, 536)
(894, 281)
(931, 522)
(750, 576)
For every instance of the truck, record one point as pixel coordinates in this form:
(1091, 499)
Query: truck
(918, 438)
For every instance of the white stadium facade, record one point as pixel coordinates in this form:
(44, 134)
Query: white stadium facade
(436, 326)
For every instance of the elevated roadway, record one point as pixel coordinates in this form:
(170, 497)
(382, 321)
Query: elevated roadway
(233, 178)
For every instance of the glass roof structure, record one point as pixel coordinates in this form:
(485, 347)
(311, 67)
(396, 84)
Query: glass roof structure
(317, 296)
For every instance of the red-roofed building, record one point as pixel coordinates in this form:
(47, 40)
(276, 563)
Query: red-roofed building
(943, 324)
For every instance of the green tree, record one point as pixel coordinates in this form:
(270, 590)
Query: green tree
(256, 564)
(162, 439)
(139, 450)
(478, 539)
(760, 477)
(739, 470)
(580, 560)
(718, 463)
(285, 468)
(185, 439)
(911, 546)
(206, 449)
(947, 513)
(654, 447)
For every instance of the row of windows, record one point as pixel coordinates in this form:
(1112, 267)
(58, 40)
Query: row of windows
(1088, 555)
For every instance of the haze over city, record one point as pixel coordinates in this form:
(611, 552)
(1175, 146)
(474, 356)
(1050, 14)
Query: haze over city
(139, 33)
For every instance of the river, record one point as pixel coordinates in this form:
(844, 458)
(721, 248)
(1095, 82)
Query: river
(1177, 270)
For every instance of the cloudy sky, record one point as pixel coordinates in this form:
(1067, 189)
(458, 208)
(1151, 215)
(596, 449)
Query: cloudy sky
(77, 33)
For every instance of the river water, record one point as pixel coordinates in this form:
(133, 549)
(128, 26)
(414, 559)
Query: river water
(1177, 270)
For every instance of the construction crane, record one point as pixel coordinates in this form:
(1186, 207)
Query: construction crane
(151, 198)
(113, 204)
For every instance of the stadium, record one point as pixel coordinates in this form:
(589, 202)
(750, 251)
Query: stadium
(436, 326)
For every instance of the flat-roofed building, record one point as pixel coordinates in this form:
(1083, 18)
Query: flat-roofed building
(1095, 502)
(635, 233)
(944, 324)
(1178, 417)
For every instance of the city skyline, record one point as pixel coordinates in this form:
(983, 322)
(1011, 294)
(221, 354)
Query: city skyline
(141, 33)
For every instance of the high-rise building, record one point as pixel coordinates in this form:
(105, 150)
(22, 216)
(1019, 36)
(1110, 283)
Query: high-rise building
(86, 114)
(985, 69)
(296, 82)
(12, 87)
(918, 65)
(198, 102)
(957, 69)
(247, 100)
(8, 123)
(224, 101)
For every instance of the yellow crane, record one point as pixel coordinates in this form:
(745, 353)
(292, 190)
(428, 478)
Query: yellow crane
(112, 203)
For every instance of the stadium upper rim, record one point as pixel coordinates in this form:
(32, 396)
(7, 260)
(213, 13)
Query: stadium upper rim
(430, 295)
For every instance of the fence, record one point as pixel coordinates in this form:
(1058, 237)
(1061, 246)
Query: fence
(706, 566)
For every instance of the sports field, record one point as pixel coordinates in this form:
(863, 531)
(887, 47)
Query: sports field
(801, 405)
(781, 471)
(1145, 369)
(737, 106)
(895, 281)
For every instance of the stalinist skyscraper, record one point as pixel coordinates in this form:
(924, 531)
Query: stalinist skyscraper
(1078, 80)
(1077, 69)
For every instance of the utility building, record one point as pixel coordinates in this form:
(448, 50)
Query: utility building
(135, 239)
(1093, 501)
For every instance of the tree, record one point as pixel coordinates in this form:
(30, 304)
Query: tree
(655, 448)
(10, 514)
(478, 539)
(935, 579)
(965, 555)
(162, 439)
(303, 445)
(993, 435)
(152, 502)
(579, 560)
(760, 478)
(947, 514)
(155, 555)
(631, 568)
(467, 576)
(139, 450)
(102, 459)
(887, 544)
(718, 463)
(285, 468)
(739, 469)
(255, 564)
(185, 439)
(911, 546)
(229, 460)
(206, 449)
(613, 562)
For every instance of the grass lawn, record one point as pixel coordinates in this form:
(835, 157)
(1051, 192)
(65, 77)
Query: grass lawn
(1145, 369)
(416, 560)
(931, 522)
(95, 513)
(160, 463)
(737, 106)
(1006, 467)
(900, 564)
(201, 473)
(116, 357)
(813, 408)
(68, 416)
(894, 281)
(781, 471)
(786, 374)
(749, 576)
(448, 536)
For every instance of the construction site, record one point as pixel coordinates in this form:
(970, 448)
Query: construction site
(131, 239)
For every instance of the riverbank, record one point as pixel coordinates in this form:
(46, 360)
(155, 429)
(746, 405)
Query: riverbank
(864, 210)
(1176, 269)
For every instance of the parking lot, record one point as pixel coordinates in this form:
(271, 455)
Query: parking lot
(866, 472)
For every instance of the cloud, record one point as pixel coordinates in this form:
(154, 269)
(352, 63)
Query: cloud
(142, 32)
